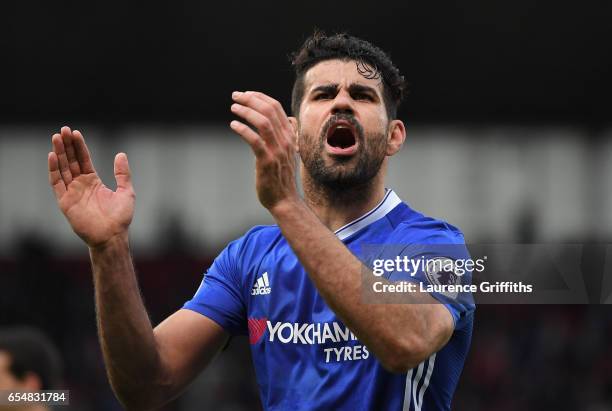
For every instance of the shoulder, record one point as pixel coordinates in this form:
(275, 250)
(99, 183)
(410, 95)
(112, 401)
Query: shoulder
(257, 240)
(259, 234)
(417, 227)
(244, 251)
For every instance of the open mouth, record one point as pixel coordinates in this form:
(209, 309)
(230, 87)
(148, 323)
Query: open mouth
(341, 139)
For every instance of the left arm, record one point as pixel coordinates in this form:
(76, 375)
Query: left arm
(400, 335)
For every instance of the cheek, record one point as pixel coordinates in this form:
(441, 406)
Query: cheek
(306, 144)
(383, 122)
(375, 122)
(309, 119)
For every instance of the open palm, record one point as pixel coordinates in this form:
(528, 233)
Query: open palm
(95, 212)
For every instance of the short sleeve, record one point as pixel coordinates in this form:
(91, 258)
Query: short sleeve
(439, 260)
(442, 265)
(219, 296)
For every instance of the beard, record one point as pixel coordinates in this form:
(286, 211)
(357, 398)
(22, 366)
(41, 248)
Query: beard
(344, 173)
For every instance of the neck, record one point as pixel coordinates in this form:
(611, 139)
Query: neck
(336, 208)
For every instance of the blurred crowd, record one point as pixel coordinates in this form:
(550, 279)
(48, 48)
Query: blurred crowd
(529, 357)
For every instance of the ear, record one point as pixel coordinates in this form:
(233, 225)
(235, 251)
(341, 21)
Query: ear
(395, 137)
(294, 124)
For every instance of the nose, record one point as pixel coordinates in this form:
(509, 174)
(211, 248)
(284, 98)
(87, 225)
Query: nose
(343, 103)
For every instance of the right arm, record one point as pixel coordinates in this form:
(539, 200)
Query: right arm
(146, 367)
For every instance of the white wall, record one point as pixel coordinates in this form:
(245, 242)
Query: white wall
(479, 179)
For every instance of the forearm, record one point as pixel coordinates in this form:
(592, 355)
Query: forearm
(125, 331)
(389, 330)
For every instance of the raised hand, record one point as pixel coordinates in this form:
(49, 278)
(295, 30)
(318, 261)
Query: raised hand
(274, 145)
(96, 213)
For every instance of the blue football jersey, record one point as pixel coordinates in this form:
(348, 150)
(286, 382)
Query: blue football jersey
(305, 358)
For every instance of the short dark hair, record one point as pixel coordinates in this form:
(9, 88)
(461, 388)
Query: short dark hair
(320, 47)
(31, 351)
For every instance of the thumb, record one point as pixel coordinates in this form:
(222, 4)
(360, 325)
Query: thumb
(123, 175)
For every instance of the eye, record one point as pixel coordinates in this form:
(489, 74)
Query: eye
(322, 96)
(363, 96)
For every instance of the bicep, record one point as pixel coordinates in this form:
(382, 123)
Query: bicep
(187, 341)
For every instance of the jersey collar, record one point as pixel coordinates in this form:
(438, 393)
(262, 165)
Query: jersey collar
(388, 203)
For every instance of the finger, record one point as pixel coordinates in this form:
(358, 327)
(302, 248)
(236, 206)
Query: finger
(55, 178)
(123, 175)
(252, 138)
(250, 99)
(276, 105)
(268, 106)
(60, 151)
(263, 124)
(82, 153)
(73, 163)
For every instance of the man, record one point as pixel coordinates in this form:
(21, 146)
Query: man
(295, 288)
(29, 362)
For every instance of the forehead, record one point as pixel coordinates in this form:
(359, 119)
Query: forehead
(342, 72)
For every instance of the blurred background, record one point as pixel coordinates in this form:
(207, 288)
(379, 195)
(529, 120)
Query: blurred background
(509, 138)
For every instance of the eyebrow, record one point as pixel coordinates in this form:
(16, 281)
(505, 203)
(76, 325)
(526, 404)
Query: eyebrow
(360, 88)
(353, 88)
(326, 88)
